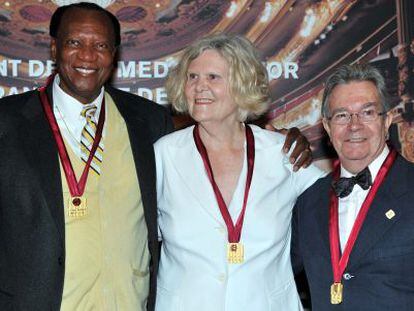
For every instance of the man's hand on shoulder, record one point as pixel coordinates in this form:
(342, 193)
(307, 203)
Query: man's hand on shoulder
(301, 155)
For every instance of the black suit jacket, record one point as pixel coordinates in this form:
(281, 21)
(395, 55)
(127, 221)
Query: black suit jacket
(380, 272)
(32, 229)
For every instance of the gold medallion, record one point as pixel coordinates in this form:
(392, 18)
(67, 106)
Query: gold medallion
(336, 293)
(77, 207)
(235, 253)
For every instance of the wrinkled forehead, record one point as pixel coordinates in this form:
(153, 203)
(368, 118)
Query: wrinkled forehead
(78, 16)
(354, 94)
(196, 54)
(209, 59)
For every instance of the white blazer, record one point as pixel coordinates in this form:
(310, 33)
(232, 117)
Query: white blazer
(194, 274)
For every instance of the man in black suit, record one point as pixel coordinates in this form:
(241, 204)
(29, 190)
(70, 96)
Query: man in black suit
(69, 249)
(353, 231)
(78, 227)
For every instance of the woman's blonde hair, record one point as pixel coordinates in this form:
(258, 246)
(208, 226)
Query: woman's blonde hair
(249, 84)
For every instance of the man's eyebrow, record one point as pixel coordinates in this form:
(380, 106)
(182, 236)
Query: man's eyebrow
(338, 110)
(366, 105)
(369, 104)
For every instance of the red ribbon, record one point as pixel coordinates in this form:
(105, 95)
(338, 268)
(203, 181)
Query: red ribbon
(76, 188)
(234, 231)
(339, 263)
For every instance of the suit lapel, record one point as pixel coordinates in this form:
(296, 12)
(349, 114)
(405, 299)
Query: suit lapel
(39, 145)
(322, 213)
(194, 177)
(376, 223)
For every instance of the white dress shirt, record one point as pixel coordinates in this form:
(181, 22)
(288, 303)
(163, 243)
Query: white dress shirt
(67, 111)
(349, 206)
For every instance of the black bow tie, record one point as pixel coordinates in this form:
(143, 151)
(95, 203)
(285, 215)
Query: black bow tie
(343, 187)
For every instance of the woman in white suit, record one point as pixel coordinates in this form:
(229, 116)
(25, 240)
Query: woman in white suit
(225, 189)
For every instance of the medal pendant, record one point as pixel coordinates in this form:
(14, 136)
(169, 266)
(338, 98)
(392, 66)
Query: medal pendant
(77, 207)
(336, 293)
(235, 253)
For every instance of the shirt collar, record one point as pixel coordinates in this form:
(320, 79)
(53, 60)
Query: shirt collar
(70, 108)
(67, 111)
(374, 166)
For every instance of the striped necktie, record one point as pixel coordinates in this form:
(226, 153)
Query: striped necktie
(87, 138)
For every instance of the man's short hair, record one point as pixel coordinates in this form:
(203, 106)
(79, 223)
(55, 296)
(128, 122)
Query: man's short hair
(355, 73)
(60, 12)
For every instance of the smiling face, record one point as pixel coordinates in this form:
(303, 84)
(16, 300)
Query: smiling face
(84, 53)
(207, 89)
(356, 143)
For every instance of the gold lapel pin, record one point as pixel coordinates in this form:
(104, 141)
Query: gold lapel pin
(390, 214)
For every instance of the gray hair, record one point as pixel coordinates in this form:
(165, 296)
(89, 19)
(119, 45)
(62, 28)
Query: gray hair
(351, 73)
(249, 84)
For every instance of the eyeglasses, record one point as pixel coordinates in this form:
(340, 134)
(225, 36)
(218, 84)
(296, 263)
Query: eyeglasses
(365, 115)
